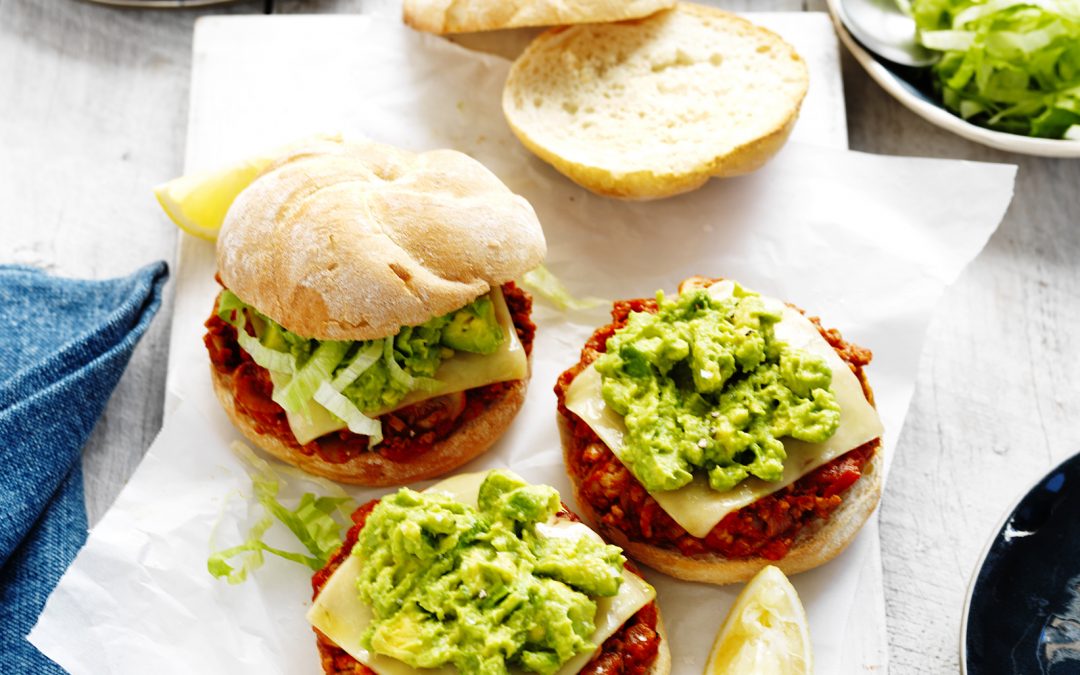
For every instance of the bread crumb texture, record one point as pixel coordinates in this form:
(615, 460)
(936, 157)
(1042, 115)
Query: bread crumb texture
(653, 107)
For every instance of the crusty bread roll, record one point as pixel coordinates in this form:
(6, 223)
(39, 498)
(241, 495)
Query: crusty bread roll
(350, 240)
(467, 16)
(655, 107)
(471, 440)
(816, 544)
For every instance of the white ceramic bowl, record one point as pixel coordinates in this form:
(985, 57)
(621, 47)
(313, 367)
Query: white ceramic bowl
(930, 110)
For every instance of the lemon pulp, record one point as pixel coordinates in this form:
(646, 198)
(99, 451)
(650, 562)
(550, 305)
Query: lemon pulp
(198, 202)
(765, 632)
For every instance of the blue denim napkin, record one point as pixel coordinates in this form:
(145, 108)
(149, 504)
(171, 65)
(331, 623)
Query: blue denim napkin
(63, 346)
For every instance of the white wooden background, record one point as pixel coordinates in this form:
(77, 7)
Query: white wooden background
(93, 105)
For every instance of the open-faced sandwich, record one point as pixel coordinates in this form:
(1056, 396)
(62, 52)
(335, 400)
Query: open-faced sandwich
(368, 329)
(482, 573)
(716, 432)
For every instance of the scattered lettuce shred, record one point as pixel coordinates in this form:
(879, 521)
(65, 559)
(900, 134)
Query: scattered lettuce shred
(312, 522)
(542, 283)
(1006, 64)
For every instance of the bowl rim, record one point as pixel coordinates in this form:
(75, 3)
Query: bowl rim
(940, 117)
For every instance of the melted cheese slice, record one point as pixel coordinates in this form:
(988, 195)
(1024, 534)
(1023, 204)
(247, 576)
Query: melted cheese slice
(464, 370)
(342, 617)
(696, 506)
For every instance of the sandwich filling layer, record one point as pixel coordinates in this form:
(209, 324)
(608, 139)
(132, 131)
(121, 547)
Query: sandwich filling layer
(429, 390)
(480, 573)
(758, 515)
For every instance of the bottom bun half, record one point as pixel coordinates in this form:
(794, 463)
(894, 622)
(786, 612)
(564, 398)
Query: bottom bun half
(815, 545)
(332, 666)
(469, 441)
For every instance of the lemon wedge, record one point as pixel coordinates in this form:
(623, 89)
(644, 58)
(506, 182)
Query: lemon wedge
(198, 202)
(765, 632)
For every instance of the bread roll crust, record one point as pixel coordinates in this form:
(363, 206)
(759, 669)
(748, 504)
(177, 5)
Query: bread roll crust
(467, 442)
(468, 16)
(652, 108)
(352, 239)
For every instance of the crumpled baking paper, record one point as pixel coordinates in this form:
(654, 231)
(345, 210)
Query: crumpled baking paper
(868, 243)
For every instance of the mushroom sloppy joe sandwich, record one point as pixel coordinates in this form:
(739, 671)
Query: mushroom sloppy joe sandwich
(716, 432)
(482, 573)
(368, 329)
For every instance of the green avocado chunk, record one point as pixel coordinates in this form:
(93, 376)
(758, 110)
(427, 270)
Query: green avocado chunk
(474, 328)
(481, 589)
(705, 387)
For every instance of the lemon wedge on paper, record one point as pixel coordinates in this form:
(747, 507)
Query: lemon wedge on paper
(199, 201)
(765, 632)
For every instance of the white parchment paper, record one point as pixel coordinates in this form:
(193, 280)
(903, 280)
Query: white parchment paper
(868, 243)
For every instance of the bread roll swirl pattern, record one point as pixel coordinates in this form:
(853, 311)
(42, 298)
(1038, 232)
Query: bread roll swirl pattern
(352, 239)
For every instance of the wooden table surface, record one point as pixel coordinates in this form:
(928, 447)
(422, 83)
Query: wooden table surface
(93, 105)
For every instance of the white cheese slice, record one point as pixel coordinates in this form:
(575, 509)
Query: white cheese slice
(462, 371)
(342, 617)
(696, 506)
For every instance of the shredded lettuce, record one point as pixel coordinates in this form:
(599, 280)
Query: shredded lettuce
(347, 412)
(234, 312)
(1010, 65)
(318, 369)
(397, 373)
(543, 283)
(312, 522)
(366, 356)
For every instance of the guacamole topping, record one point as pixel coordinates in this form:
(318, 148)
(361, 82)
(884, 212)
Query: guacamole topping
(371, 375)
(705, 387)
(484, 588)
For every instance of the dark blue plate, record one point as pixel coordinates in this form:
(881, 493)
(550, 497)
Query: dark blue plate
(1023, 608)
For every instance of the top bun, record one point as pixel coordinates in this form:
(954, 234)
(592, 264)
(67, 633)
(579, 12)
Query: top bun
(352, 239)
(467, 16)
(652, 108)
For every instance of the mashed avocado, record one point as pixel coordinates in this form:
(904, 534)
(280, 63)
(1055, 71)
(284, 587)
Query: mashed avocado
(474, 328)
(417, 350)
(481, 589)
(704, 386)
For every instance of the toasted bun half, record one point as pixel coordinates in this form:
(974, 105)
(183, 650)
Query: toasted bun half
(655, 107)
(352, 239)
(470, 440)
(816, 544)
(467, 16)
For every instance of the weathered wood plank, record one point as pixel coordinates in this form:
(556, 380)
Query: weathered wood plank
(93, 108)
(997, 395)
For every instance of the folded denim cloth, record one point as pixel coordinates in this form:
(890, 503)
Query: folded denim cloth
(63, 345)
